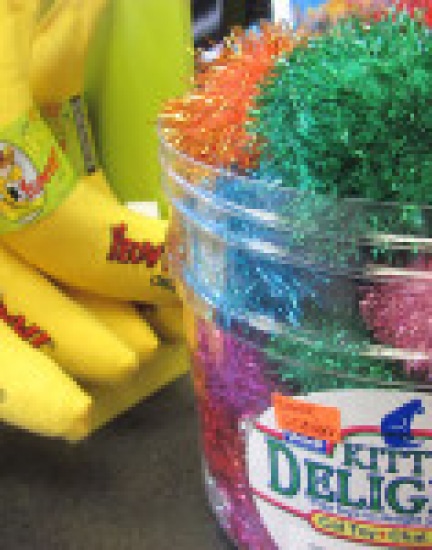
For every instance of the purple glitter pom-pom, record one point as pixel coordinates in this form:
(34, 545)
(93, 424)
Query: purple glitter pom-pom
(236, 373)
(232, 382)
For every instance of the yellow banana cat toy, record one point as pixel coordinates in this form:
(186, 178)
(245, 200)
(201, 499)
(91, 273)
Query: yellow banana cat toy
(36, 395)
(92, 243)
(122, 319)
(60, 328)
(65, 25)
(89, 241)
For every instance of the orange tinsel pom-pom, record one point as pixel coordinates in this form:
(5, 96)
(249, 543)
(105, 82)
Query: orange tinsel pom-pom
(210, 123)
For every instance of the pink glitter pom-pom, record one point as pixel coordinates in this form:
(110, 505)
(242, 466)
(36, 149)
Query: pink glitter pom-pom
(399, 313)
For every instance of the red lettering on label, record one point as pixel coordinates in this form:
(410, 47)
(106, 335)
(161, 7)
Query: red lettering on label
(153, 254)
(30, 331)
(18, 323)
(41, 340)
(126, 251)
(34, 188)
(119, 246)
(136, 253)
(3, 312)
(32, 334)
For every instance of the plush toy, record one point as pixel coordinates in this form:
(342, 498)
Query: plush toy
(89, 241)
(72, 229)
(59, 54)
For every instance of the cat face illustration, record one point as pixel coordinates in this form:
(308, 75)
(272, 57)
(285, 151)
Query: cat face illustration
(21, 197)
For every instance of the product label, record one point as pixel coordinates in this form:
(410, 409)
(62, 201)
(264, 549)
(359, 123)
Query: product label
(370, 487)
(35, 176)
(124, 250)
(310, 419)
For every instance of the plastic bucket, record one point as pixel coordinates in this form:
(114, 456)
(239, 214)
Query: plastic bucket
(311, 348)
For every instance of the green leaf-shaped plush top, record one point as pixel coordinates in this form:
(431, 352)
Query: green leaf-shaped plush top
(350, 113)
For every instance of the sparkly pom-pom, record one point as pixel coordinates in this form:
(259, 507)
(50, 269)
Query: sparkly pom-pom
(349, 113)
(210, 124)
(236, 373)
(224, 452)
(399, 314)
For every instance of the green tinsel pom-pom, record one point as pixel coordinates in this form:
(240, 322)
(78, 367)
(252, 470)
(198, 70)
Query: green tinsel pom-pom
(311, 367)
(350, 113)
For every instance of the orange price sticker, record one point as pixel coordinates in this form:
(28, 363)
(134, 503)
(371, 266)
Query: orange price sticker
(309, 419)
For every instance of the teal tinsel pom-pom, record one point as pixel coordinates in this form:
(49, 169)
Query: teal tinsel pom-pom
(350, 113)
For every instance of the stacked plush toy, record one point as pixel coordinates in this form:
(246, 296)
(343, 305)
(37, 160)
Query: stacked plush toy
(73, 260)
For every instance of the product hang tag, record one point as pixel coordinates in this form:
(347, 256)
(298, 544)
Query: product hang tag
(80, 115)
(70, 125)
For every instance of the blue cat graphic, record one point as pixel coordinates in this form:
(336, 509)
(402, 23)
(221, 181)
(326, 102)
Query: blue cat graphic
(396, 425)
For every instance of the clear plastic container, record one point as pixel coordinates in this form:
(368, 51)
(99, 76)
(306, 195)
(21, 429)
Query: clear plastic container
(312, 359)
